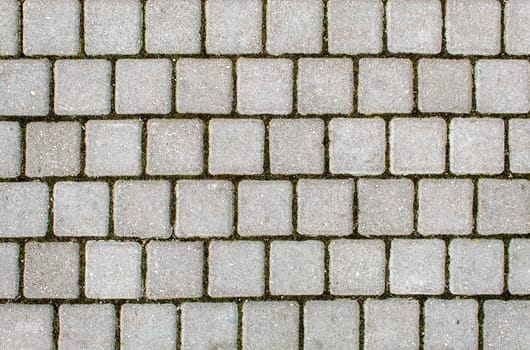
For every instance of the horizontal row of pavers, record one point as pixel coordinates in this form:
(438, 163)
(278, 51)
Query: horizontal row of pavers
(174, 269)
(263, 86)
(206, 208)
(127, 27)
(317, 324)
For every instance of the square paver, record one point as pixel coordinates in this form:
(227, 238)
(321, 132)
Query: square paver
(148, 326)
(26, 326)
(516, 24)
(506, 324)
(10, 144)
(10, 10)
(519, 263)
(519, 145)
(87, 325)
(9, 273)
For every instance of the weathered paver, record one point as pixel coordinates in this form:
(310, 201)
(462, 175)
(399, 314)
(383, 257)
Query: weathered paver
(506, 324)
(519, 145)
(9, 36)
(9, 273)
(519, 260)
(516, 23)
(10, 143)
(26, 326)
(87, 325)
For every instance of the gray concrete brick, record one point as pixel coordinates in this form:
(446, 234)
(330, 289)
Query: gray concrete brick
(51, 27)
(113, 147)
(141, 209)
(264, 208)
(82, 87)
(10, 144)
(357, 267)
(23, 209)
(148, 326)
(209, 326)
(112, 27)
(9, 273)
(264, 86)
(519, 261)
(26, 326)
(51, 270)
(84, 326)
(296, 268)
(53, 149)
(451, 324)
(10, 10)
(236, 269)
(391, 324)
(331, 324)
(385, 207)
(519, 145)
(502, 86)
(417, 145)
(444, 85)
(506, 324)
(236, 146)
(204, 208)
(473, 27)
(476, 266)
(355, 26)
(325, 85)
(26, 87)
(503, 206)
(325, 207)
(296, 146)
(113, 270)
(414, 26)
(357, 146)
(174, 269)
(445, 206)
(270, 325)
(173, 26)
(233, 27)
(385, 85)
(476, 146)
(516, 24)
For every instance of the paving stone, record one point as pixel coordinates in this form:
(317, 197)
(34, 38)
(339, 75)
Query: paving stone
(204, 86)
(391, 324)
(264, 86)
(296, 146)
(516, 24)
(270, 325)
(236, 146)
(355, 26)
(385, 207)
(113, 270)
(414, 26)
(51, 270)
(296, 268)
(325, 85)
(502, 86)
(476, 266)
(26, 326)
(174, 269)
(476, 146)
(82, 87)
(112, 27)
(9, 273)
(519, 145)
(294, 26)
(51, 27)
(519, 263)
(233, 27)
(385, 85)
(357, 146)
(357, 267)
(236, 269)
(204, 208)
(445, 206)
(10, 144)
(148, 326)
(84, 326)
(209, 326)
(444, 85)
(503, 206)
(331, 324)
(10, 10)
(417, 145)
(113, 147)
(473, 27)
(53, 149)
(264, 208)
(26, 87)
(506, 324)
(28, 200)
(451, 324)
(325, 207)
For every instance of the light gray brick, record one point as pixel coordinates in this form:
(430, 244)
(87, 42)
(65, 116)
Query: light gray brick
(296, 268)
(113, 270)
(385, 85)
(516, 24)
(9, 273)
(148, 326)
(519, 266)
(519, 145)
(10, 144)
(506, 324)
(296, 146)
(84, 326)
(10, 10)
(476, 266)
(26, 326)
(51, 27)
